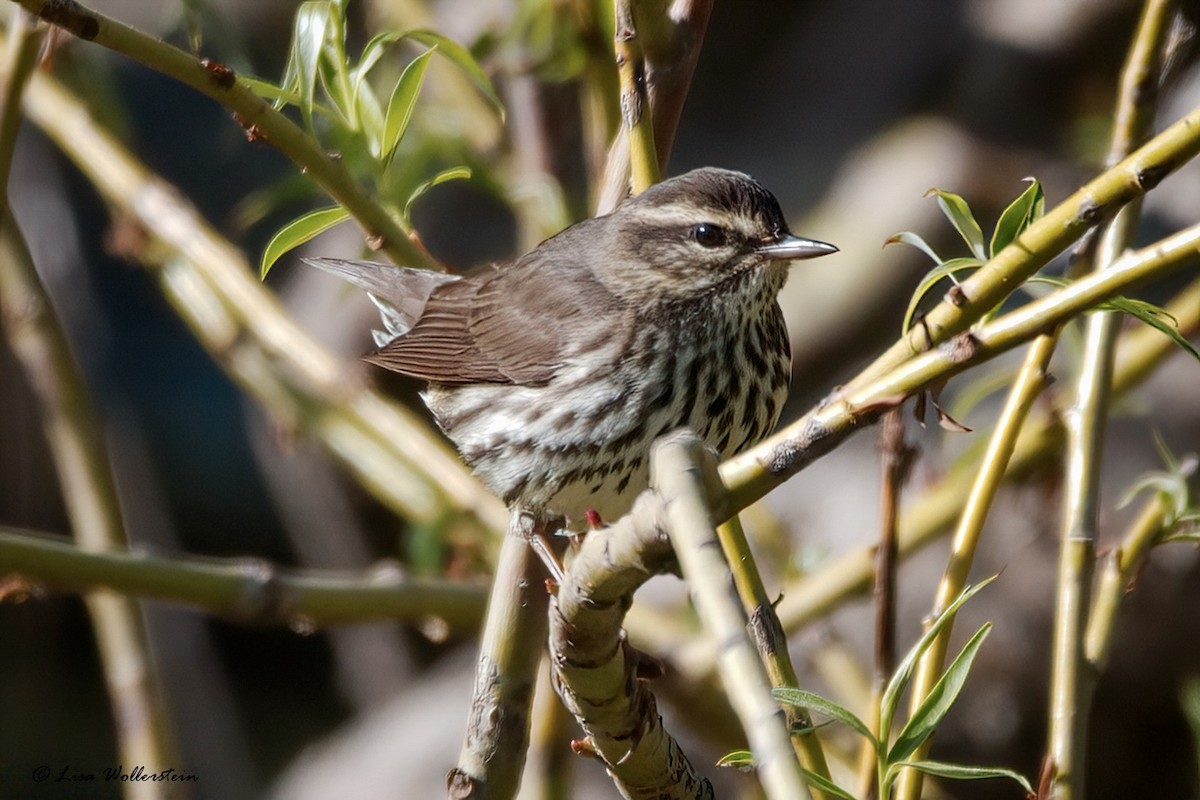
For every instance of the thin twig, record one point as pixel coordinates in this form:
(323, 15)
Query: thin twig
(249, 591)
(1072, 680)
(253, 113)
(752, 474)
(514, 634)
(772, 645)
(1117, 572)
(683, 469)
(392, 452)
(80, 458)
(670, 34)
(897, 458)
(1030, 380)
(637, 118)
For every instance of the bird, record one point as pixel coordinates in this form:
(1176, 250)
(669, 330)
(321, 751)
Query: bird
(554, 374)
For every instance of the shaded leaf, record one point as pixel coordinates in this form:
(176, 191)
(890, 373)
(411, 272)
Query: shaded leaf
(825, 785)
(947, 269)
(452, 174)
(1019, 215)
(959, 213)
(403, 101)
(815, 702)
(299, 231)
(935, 706)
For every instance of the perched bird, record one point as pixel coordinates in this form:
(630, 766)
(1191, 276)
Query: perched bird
(554, 374)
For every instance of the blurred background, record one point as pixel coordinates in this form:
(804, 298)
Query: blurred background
(848, 112)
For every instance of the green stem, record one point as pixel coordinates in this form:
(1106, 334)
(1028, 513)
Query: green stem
(1030, 381)
(245, 590)
(255, 114)
(771, 642)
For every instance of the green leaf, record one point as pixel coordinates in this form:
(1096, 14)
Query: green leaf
(941, 769)
(308, 40)
(959, 213)
(299, 231)
(462, 58)
(404, 100)
(738, 759)
(825, 785)
(1020, 214)
(935, 706)
(913, 240)
(947, 269)
(815, 702)
(1154, 316)
(452, 174)
(903, 673)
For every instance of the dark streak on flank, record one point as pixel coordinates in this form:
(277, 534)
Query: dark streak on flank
(70, 15)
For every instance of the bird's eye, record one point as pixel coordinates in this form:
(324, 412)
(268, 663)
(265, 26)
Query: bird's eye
(706, 234)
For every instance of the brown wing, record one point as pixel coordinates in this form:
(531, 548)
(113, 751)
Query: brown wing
(506, 325)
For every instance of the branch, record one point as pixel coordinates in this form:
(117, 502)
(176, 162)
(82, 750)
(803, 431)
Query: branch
(1072, 679)
(252, 112)
(249, 591)
(670, 36)
(596, 670)
(750, 475)
(684, 471)
(390, 450)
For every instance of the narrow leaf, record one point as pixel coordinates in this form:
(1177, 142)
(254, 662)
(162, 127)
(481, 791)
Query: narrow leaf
(739, 759)
(959, 213)
(404, 100)
(308, 40)
(935, 706)
(825, 785)
(948, 269)
(462, 58)
(1019, 215)
(815, 702)
(452, 174)
(299, 231)
(913, 240)
(1154, 316)
(903, 673)
(941, 769)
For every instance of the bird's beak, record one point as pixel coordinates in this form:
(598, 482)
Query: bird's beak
(788, 247)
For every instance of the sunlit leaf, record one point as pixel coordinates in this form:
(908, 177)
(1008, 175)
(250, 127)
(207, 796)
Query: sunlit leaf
(452, 174)
(941, 769)
(462, 58)
(403, 101)
(739, 759)
(1019, 215)
(308, 40)
(816, 703)
(939, 700)
(959, 213)
(913, 240)
(903, 674)
(1155, 316)
(299, 231)
(948, 269)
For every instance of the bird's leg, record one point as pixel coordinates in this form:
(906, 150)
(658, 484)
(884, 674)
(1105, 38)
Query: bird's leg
(514, 635)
